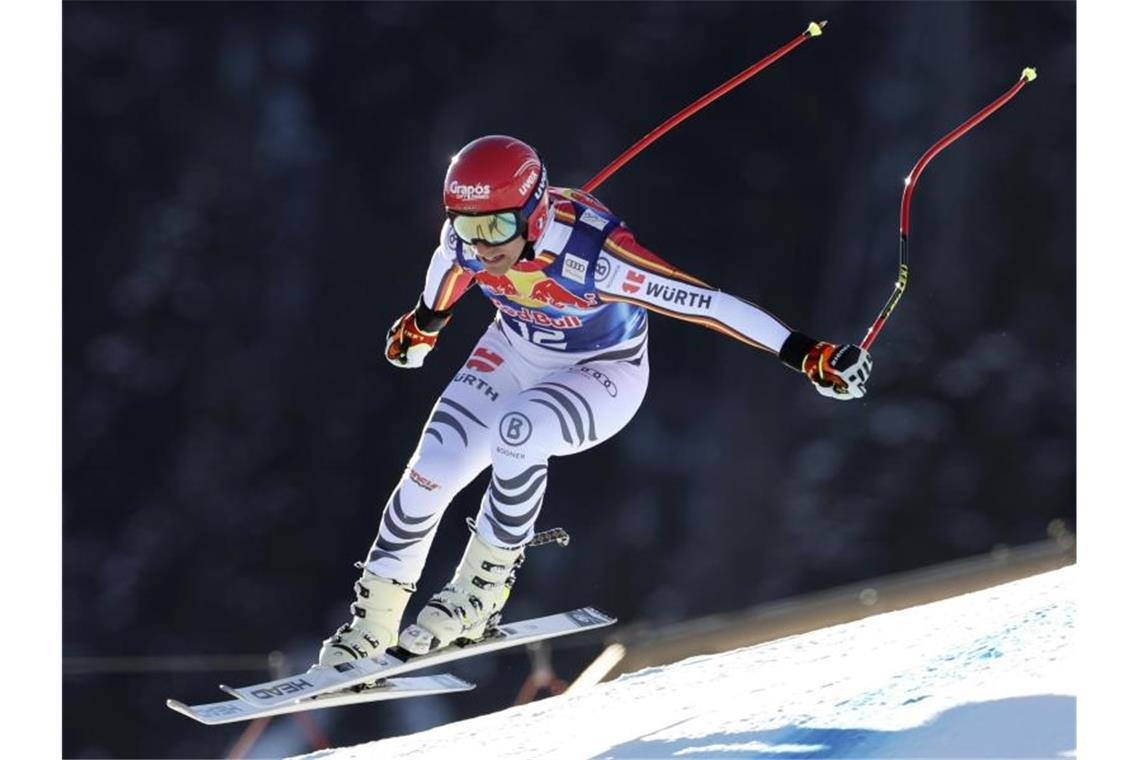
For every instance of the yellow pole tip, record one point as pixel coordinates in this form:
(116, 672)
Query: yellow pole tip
(815, 29)
(1029, 74)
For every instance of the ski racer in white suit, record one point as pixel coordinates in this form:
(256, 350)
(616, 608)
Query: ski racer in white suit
(562, 367)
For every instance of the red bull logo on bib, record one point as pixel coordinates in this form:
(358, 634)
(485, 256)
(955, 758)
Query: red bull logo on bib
(534, 289)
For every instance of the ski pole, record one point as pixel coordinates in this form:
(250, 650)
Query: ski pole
(1027, 75)
(814, 30)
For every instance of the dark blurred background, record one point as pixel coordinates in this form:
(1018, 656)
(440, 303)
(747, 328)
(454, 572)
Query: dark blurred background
(251, 196)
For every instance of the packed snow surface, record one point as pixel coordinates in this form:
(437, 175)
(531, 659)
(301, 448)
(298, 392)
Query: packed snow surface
(984, 675)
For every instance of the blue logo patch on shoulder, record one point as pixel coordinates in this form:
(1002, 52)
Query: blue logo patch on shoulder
(594, 219)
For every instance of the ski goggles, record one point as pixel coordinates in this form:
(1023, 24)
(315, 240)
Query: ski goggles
(493, 229)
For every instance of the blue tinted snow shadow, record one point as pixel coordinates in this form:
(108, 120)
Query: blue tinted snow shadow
(1041, 726)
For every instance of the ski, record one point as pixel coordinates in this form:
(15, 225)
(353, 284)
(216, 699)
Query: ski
(321, 679)
(234, 710)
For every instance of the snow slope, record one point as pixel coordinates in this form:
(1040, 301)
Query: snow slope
(985, 675)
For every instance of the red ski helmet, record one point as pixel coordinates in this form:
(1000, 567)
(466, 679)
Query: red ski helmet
(495, 174)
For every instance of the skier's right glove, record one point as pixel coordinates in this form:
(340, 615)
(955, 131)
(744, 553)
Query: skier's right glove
(838, 372)
(413, 335)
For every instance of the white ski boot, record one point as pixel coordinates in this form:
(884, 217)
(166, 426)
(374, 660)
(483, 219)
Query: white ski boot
(471, 604)
(377, 612)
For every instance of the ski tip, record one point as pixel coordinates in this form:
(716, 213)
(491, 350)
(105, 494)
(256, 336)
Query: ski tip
(815, 28)
(185, 709)
(592, 617)
(603, 614)
(229, 690)
(181, 707)
(1029, 74)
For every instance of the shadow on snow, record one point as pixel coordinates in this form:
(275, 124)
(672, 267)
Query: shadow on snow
(1042, 726)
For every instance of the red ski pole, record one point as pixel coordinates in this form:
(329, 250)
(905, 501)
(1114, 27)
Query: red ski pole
(814, 30)
(1027, 75)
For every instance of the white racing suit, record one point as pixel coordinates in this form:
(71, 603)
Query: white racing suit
(563, 367)
(512, 406)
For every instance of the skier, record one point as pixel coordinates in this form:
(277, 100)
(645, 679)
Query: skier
(562, 367)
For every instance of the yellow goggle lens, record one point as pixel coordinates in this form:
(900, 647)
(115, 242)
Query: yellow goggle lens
(493, 229)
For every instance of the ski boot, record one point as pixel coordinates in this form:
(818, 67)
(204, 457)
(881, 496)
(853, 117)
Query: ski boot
(377, 612)
(471, 604)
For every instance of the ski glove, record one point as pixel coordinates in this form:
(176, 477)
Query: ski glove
(836, 371)
(413, 335)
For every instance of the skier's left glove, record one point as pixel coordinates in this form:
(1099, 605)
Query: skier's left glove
(836, 371)
(413, 335)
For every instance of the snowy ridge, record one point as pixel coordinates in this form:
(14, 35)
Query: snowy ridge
(985, 675)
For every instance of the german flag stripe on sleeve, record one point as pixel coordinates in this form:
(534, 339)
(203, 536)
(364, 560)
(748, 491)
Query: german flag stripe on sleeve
(631, 253)
(454, 285)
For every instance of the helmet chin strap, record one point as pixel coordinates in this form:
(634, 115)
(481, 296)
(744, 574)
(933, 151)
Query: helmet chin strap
(527, 252)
